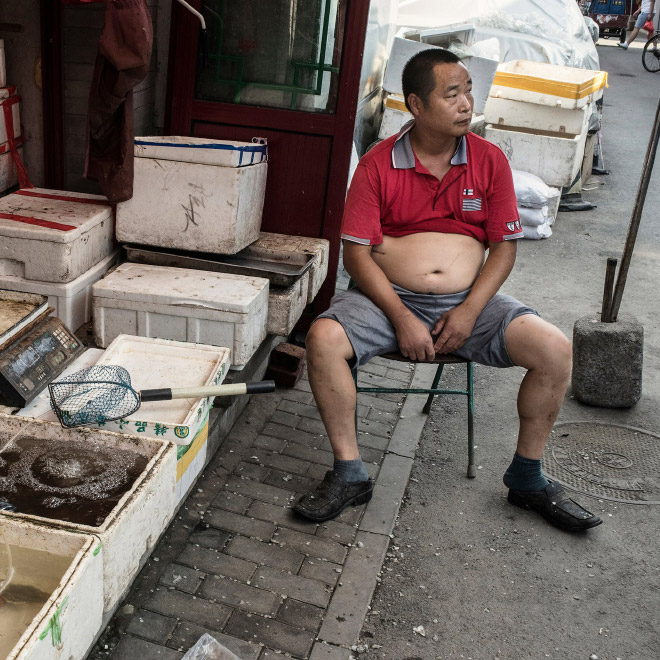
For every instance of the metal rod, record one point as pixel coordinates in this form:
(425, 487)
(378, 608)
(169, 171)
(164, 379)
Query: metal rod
(636, 216)
(606, 310)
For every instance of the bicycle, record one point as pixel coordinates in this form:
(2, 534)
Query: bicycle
(651, 54)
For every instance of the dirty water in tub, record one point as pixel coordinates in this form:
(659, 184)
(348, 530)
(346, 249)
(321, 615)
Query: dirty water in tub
(75, 481)
(35, 575)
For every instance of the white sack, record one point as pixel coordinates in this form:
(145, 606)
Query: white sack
(533, 217)
(531, 191)
(536, 233)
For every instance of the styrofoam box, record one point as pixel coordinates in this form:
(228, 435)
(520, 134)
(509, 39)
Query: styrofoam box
(16, 115)
(443, 36)
(554, 157)
(72, 301)
(320, 247)
(286, 305)
(182, 304)
(501, 111)
(162, 363)
(191, 461)
(74, 608)
(132, 528)
(54, 239)
(482, 71)
(548, 84)
(205, 207)
(402, 50)
(8, 173)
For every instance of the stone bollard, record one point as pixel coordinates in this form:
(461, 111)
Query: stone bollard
(607, 362)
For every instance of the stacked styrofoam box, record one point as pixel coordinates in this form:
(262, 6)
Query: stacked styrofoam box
(56, 243)
(8, 95)
(184, 305)
(195, 194)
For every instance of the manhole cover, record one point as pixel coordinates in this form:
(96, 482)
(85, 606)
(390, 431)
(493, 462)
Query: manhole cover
(617, 463)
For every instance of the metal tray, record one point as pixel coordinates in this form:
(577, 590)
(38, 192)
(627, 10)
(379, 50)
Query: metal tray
(280, 268)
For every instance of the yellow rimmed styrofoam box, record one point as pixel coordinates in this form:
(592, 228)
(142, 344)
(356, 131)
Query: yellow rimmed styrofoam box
(63, 568)
(54, 235)
(195, 306)
(554, 157)
(548, 84)
(71, 301)
(320, 247)
(191, 460)
(195, 194)
(162, 363)
(133, 525)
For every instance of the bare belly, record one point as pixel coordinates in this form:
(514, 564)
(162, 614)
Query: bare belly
(430, 262)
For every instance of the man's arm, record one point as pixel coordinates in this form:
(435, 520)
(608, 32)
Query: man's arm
(412, 335)
(455, 326)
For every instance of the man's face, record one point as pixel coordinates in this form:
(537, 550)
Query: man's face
(448, 109)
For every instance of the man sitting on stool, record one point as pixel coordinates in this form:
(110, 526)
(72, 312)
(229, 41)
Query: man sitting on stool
(422, 209)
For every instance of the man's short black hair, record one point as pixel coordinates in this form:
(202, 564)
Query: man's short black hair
(418, 78)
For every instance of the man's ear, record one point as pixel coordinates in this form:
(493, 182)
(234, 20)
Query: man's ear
(415, 103)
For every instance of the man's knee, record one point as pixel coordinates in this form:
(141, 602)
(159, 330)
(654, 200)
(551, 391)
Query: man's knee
(535, 343)
(327, 337)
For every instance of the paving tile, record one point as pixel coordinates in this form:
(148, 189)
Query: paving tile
(216, 563)
(379, 402)
(209, 537)
(269, 554)
(293, 482)
(301, 614)
(189, 608)
(130, 648)
(269, 443)
(302, 396)
(313, 454)
(231, 501)
(298, 408)
(311, 545)
(285, 418)
(289, 434)
(182, 578)
(323, 651)
(377, 442)
(337, 531)
(300, 588)
(317, 471)
(257, 491)
(312, 426)
(375, 428)
(237, 524)
(303, 385)
(186, 635)
(280, 462)
(374, 368)
(271, 633)
(281, 516)
(351, 598)
(384, 416)
(251, 470)
(371, 455)
(236, 594)
(316, 569)
(149, 625)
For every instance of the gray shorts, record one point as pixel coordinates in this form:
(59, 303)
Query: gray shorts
(642, 18)
(371, 333)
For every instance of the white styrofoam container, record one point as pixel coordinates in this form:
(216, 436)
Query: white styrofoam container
(482, 71)
(200, 150)
(191, 461)
(8, 172)
(286, 305)
(72, 301)
(131, 530)
(15, 113)
(443, 36)
(506, 112)
(402, 50)
(548, 84)
(395, 115)
(193, 206)
(159, 363)
(554, 157)
(53, 237)
(67, 623)
(320, 247)
(182, 304)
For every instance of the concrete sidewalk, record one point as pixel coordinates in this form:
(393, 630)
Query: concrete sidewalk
(238, 564)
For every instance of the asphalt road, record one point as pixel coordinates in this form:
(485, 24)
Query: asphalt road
(468, 575)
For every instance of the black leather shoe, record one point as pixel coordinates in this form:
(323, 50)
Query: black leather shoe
(554, 504)
(332, 496)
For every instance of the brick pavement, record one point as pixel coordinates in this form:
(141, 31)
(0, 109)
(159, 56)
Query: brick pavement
(237, 563)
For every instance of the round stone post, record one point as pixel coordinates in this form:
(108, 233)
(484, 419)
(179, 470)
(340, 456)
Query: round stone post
(607, 362)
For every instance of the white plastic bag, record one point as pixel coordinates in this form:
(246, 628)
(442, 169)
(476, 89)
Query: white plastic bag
(531, 191)
(533, 217)
(209, 648)
(536, 233)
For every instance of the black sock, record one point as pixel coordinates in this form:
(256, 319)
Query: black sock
(525, 474)
(351, 471)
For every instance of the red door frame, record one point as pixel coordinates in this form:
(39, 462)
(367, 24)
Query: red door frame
(183, 110)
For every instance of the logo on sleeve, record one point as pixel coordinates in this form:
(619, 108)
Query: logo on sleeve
(514, 226)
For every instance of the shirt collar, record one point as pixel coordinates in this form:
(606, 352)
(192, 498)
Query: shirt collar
(403, 157)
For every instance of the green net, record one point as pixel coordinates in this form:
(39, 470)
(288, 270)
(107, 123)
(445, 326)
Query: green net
(94, 395)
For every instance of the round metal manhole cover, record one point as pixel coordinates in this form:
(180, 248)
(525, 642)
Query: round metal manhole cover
(617, 463)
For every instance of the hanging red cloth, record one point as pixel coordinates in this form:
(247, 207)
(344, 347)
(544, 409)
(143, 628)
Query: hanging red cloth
(121, 64)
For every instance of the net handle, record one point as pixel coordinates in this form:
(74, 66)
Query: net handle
(165, 394)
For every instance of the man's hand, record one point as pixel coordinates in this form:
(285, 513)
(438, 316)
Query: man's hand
(414, 339)
(454, 329)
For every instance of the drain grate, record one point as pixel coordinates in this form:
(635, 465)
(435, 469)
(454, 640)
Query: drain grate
(617, 463)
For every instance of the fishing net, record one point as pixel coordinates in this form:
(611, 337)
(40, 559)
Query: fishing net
(94, 395)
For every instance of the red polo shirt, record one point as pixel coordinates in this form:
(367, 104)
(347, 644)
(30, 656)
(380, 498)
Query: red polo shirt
(393, 194)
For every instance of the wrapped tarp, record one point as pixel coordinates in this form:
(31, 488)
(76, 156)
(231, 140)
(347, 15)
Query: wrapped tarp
(552, 31)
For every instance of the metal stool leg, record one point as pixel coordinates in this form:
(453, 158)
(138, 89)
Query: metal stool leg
(471, 471)
(436, 379)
